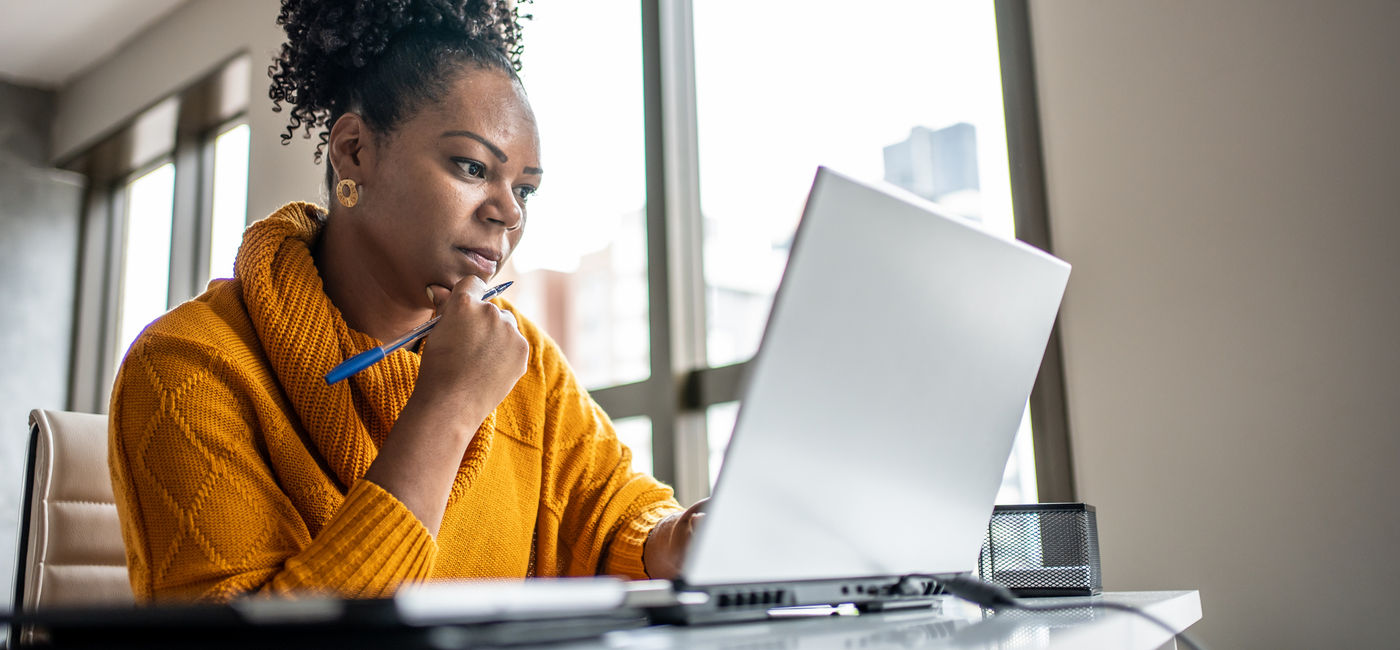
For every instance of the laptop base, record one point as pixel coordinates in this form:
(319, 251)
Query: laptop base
(757, 600)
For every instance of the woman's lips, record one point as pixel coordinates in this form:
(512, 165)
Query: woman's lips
(483, 260)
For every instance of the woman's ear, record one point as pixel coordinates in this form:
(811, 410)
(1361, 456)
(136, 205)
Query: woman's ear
(351, 148)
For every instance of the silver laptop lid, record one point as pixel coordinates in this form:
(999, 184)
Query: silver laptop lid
(882, 404)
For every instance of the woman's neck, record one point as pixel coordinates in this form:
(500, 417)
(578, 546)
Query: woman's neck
(363, 297)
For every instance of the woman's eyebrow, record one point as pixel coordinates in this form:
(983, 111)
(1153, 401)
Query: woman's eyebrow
(500, 155)
(533, 170)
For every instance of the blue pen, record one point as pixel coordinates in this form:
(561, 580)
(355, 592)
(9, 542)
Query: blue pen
(372, 356)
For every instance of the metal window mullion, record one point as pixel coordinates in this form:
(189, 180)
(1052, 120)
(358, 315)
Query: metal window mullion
(684, 242)
(111, 301)
(686, 232)
(661, 410)
(709, 386)
(675, 287)
(204, 223)
(1050, 435)
(185, 213)
(625, 400)
(202, 244)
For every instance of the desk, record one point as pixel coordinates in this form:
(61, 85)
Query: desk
(959, 625)
(950, 623)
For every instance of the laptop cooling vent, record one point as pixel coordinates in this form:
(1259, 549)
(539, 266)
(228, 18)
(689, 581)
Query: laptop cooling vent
(755, 598)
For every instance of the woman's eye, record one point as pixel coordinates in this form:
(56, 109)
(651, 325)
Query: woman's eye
(472, 167)
(525, 193)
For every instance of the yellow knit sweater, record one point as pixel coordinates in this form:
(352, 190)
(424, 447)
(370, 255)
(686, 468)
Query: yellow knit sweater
(237, 469)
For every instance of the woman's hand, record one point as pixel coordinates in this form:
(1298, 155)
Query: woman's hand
(666, 545)
(475, 354)
(471, 361)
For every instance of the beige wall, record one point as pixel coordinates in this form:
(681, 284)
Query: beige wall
(180, 49)
(1223, 176)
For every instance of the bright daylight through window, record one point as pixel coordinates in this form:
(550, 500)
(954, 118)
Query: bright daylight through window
(581, 268)
(915, 103)
(145, 279)
(230, 201)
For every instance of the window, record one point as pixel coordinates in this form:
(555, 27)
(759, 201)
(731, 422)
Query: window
(230, 199)
(149, 222)
(582, 266)
(916, 103)
(658, 293)
(1018, 483)
(719, 423)
(145, 276)
(635, 432)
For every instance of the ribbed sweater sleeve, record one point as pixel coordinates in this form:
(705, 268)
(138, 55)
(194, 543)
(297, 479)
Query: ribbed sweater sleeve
(204, 516)
(604, 509)
(625, 555)
(373, 544)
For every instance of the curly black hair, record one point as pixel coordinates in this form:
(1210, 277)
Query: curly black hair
(383, 58)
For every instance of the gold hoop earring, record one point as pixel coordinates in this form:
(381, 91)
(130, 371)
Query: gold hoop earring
(347, 193)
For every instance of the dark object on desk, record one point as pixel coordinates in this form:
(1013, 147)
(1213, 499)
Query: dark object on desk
(1043, 549)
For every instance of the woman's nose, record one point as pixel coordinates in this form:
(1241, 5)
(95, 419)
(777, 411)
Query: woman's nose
(501, 208)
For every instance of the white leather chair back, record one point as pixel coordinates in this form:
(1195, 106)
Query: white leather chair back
(70, 549)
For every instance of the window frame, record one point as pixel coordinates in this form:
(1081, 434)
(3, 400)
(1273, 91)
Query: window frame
(1050, 432)
(204, 234)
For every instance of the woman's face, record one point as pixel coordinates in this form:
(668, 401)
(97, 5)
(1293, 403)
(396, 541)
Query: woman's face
(445, 197)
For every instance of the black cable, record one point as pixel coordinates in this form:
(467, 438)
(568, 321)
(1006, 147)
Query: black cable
(994, 596)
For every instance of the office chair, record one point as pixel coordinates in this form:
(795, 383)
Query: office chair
(70, 542)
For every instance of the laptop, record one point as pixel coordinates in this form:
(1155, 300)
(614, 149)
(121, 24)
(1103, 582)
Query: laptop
(879, 412)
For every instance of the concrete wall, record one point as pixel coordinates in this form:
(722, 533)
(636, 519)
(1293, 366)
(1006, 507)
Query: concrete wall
(39, 214)
(1223, 177)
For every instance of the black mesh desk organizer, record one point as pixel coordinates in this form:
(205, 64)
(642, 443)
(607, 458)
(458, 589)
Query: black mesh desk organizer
(1043, 549)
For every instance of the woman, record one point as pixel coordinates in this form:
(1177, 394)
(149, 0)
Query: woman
(237, 469)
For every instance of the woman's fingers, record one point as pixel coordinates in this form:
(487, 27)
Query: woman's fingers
(437, 293)
(668, 543)
(470, 287)
(475, 354)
